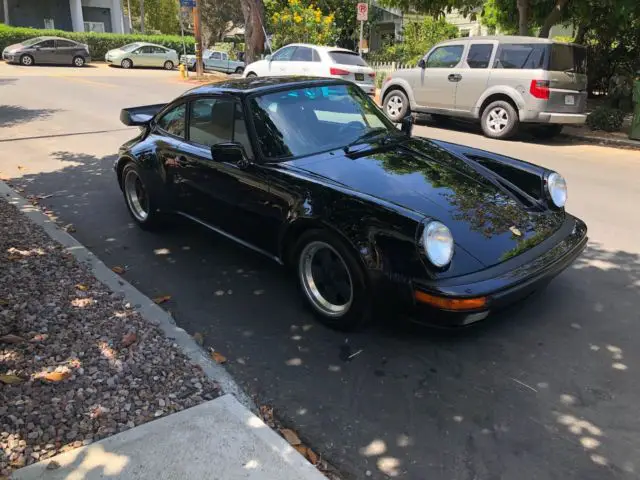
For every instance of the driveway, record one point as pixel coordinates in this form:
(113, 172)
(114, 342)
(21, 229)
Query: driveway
(546, 390)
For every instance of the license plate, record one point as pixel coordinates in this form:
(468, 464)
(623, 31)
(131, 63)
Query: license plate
(360, 76)
(569, 100)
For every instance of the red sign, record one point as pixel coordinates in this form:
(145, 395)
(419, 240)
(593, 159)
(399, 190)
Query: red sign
(362, 12)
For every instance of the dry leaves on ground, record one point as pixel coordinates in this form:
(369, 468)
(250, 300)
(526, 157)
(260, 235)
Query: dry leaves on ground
(217, 356)
(129, 339)
(118, 269)
(11, 379)
(162, 299)
(82, 288)
(11, 339)
(290, 436)
(199, 338)
(56, 376)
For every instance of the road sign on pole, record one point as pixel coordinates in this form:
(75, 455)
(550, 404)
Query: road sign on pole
(188, 3)
(362, 12)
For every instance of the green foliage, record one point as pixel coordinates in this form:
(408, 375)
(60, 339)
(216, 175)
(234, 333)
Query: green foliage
(606, 118)
(99, 43)
(417, 39)
(301, 21)
(159, 16)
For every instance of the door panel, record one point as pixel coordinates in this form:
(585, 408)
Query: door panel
(279, 63)
(45, 52)
(437, 84)
(475, 77)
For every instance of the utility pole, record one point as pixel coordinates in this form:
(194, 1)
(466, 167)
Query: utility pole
(142, 16)
(198, 34)
(129, 16)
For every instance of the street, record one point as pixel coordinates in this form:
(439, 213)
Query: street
(545, 390)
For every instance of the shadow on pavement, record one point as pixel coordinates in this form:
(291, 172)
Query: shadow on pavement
(545, 390)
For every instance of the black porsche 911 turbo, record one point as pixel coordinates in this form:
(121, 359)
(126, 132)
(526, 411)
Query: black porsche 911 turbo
(311, 173)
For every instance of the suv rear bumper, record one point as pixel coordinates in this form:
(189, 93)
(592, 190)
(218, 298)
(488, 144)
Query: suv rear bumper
(561, 118)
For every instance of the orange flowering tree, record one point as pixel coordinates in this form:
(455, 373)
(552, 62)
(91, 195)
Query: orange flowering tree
(299, 22)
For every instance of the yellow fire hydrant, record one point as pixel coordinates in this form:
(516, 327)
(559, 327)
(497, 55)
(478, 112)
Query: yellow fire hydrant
(183, 71)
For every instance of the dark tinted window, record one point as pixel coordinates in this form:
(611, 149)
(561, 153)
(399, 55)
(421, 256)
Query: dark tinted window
(520, 56)
(47, 44)
(173, 121)
(302, 54)
(316, 55)
(216, 56)
(568, 58)
(445, 57)
(66, 44)
(479, 55)
(311, 120)
(283, 55)
(347, 58)
(145, 50)
(159, 50)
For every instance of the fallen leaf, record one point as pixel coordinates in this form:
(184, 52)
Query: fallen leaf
(53, 465)
(14, 257)
(118, 269)
(11, 379)
(312, 456)
(56, 376)
(11, 339)
(301, 449)
(162, 299)
(129, 339)
(290, 436)
(266, 412)
(199, 338)
(81, 287)
(217, 356)
(69, 228)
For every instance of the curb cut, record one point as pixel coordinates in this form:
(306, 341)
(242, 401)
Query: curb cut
(142, 304)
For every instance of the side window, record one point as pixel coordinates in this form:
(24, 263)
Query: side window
(47, 44)
(172, 122)
(146, 50)
(216, 56)
(283, 55)
(211, 120)
(240, 134)
(65, 44)
(445, 57)
(302, 54)
(479, 55)
(520, 56)
(225, 56)
(159, 50)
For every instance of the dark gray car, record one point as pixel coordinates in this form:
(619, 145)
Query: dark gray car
(47, 50)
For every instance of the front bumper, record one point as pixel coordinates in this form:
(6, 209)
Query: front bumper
(9, 57)
(505, 283)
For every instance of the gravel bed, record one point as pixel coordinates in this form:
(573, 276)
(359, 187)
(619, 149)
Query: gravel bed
(77, 363)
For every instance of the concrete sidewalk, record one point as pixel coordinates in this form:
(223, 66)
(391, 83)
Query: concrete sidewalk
(219, 439)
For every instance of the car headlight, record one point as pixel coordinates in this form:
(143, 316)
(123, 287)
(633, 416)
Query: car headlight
(557, 189)
(438, 244)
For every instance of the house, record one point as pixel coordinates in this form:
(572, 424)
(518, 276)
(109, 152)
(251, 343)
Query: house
(71, 15)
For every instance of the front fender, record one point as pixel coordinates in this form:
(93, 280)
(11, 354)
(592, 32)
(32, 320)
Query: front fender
(398, 83)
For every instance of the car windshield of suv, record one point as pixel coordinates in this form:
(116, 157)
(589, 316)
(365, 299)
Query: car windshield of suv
(307, 121)
(31, 41)
(130, 47)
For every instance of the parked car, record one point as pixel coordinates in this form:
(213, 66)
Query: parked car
(141, 54)
(310, 173)
(315, 61)
(47, 50)
(499, 81)
(214, 60)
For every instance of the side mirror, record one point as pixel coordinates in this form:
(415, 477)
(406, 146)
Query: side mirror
(230, 152)
(268, 58)
(406, 125)
(422, 63)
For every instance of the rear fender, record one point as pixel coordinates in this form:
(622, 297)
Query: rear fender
(515, 94)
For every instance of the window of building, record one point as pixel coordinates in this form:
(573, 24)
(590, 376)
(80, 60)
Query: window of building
(97, 27)
(49, 24)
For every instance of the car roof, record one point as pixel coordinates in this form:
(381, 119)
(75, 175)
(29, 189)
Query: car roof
(50, 37)
(247, 86)
(501, 39)
(325, 48)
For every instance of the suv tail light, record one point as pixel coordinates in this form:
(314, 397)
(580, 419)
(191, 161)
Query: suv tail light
(540, 89)
(338, 71)
(372, 74)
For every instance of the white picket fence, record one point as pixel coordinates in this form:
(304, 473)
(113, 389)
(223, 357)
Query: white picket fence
(383, 69)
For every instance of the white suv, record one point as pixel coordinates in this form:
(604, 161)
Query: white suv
(315, 61)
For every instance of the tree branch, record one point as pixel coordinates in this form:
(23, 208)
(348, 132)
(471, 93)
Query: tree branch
(553, 18)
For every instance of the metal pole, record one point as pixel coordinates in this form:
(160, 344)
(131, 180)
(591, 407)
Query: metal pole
(360, 44)
(198, 35)
(129, 16)
(142, 16)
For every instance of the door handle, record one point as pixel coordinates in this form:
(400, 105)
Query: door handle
(455, 77)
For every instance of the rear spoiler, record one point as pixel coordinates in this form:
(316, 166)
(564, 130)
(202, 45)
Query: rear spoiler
(139, 116)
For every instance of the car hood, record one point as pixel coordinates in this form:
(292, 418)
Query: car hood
(14, 47)
(116, 52)
(486, 220)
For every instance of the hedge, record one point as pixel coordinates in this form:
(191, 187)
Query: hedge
(99, 43)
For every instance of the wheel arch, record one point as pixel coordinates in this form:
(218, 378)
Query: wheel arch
(398, 84)
(507, 94)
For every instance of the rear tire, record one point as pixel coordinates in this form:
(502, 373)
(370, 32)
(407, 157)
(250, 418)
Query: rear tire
(168, 65)
(239, 70)
(27, 60)
(140, 202)
(396, 105)
(251, 75)
(126, 63)
(500, 120)
(546, 132)
(331, 280)
(78, 61)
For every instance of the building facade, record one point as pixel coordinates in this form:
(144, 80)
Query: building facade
(72, 15)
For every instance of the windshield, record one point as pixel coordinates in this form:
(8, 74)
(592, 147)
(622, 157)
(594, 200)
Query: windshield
(347, 58)
(31, 41)
(130, 46)
(306, 121)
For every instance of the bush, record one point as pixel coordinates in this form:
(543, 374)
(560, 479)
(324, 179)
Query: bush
(99, 43)
(606, 118)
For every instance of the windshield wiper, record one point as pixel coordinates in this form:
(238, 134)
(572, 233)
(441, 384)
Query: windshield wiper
(370, 134)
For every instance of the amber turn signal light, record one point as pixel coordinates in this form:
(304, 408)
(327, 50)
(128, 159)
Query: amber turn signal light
(451, 303)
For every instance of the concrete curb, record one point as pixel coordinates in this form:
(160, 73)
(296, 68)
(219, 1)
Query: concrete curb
(143, 304)
(614, 142)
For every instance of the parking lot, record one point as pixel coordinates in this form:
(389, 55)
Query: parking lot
(546, 390)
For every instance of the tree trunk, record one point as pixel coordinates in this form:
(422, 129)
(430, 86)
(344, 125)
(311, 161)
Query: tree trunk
(142, 16)
(553, 18)
(580, 33)
(523, 17)
(253, 11)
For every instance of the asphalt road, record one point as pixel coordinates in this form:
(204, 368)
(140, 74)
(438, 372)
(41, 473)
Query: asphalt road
(548, 390)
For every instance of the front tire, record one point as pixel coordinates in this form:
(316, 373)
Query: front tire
(27, 60)
(500, 120)
(78, 61)
(168, 65)
(239, 70)
(126, 63)
(251, 75)
(138, 198)
(396, 105)
(331, 280)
